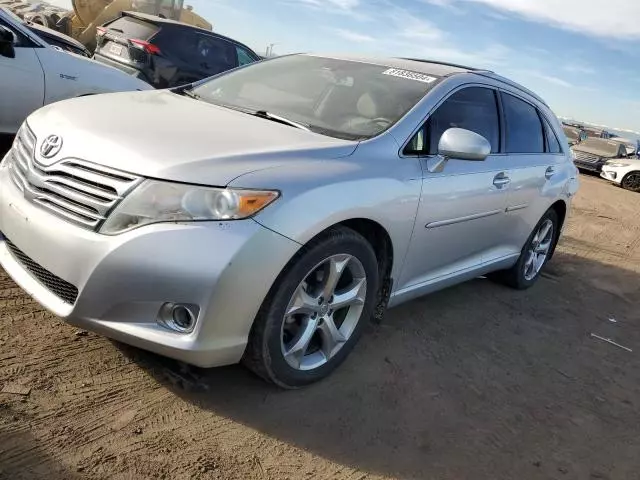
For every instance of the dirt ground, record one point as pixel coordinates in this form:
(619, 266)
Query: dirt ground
(475, 382)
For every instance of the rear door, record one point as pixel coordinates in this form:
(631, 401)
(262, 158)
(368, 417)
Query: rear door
(21, 82)
(538, 168)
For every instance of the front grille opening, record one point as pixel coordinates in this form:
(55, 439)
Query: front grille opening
(102, 173)
(59, 287)
(80, 191)
(84, 181)
(87, 208)
(67, 211)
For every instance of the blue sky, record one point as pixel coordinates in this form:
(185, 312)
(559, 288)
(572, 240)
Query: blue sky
(582, 56)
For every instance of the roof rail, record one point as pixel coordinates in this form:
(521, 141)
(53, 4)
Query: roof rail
(511, 83)
(448, 64)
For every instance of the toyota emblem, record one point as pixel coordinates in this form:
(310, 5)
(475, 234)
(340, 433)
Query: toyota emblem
(51, 146)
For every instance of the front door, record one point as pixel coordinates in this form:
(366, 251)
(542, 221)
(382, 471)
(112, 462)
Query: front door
(22, 84)
(462, 209)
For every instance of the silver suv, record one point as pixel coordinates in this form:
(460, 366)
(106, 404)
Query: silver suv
(267, 214)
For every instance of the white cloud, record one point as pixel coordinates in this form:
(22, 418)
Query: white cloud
(341, 4)
(415, 37)
(413, 28)
(613, 19)
(448, 4)
(353, 36)
(578, 68)
(349, 8)
(547, 78)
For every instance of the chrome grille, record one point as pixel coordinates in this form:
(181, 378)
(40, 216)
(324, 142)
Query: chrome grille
(586, 157)
(76, 190)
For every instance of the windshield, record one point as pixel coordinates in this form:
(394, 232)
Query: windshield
(339, 98)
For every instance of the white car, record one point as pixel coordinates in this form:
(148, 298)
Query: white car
(623, 171)
(34, 73)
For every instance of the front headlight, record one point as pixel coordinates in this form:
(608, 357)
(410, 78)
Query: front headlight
(155, 201)
(617, 164)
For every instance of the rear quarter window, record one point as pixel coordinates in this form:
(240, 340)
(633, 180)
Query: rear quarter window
(133, 28)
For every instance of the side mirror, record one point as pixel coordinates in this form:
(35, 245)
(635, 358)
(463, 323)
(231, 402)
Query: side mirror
(7, 43)
(461, 144)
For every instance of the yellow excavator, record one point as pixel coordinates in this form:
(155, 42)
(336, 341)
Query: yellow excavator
(87, 15)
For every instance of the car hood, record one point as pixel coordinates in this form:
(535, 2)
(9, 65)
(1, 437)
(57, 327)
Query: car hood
(595, 151)
(632, 162)
(163, 135)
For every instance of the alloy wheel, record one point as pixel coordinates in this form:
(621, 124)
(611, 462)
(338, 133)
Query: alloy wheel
(323, 312)
(632, 182)
(539, 250)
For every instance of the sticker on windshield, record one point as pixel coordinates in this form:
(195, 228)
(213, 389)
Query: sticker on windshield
(420, 77)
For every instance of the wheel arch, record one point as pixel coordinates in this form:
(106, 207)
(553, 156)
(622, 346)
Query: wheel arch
(626, 175)
(380, 240)
(560, 207)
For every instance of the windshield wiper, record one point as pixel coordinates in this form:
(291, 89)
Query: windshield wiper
(279, 119)
(189, 93)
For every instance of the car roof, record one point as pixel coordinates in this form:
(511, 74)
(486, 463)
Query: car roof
(436, 68)
(429, 67)
(156, 19)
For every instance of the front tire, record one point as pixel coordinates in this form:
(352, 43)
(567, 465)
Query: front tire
(631, 182)
(316, 310)
(534, 255)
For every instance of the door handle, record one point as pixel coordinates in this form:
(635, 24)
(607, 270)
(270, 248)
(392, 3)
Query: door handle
(501, 180)
(551, 171)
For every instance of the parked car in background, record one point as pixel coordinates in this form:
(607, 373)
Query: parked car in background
(574, 135)
(59, 40)
(33, 73)
(267, 213)
(623, 172)
(628, 144)
(595, 132)
(167, 53)
(592, 153)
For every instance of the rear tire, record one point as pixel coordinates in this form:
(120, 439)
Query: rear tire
(299, 336)
(534, 255)
(631, 182)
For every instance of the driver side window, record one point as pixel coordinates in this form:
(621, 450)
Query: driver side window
(473, 108)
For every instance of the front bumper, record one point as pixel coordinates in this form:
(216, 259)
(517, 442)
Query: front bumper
(123, 280)
(592, 167)
(609, 173)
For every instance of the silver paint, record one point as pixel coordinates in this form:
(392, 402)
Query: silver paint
(479, 213)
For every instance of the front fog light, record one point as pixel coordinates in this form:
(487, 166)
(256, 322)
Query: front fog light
(179, 317)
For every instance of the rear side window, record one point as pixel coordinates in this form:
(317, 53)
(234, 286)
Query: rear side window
(202, 52)
(523, 126)
(552, 143)
(244, 57)
(133, 28)
(473, 108)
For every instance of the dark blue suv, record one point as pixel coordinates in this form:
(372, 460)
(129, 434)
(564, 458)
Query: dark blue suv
(167, 53)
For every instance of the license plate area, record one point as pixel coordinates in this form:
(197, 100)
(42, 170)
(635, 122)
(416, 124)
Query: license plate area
(116, 49)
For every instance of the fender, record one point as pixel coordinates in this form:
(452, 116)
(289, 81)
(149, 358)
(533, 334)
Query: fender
(323, 193)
